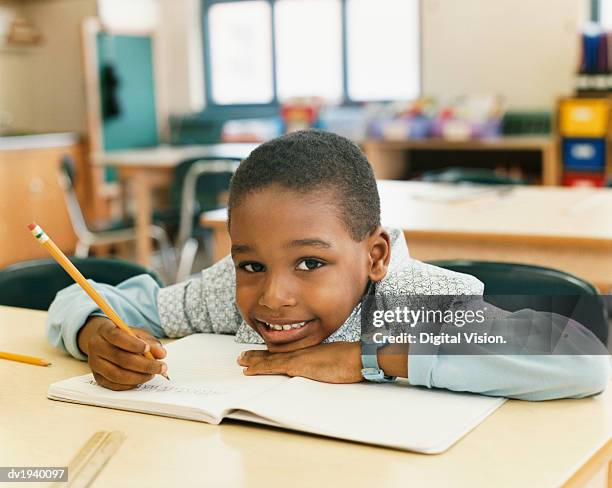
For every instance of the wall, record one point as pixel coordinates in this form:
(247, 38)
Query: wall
(179, 50)
(56, 84)
(523, 49)
(182, 54)
(43, 86)
(14, 106)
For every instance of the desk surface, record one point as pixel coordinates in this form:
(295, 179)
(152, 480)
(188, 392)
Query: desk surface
(520, 211)
(522, 444)
(169, 156)
(562, 215)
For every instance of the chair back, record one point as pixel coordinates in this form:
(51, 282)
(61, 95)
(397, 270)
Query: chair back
(513, 287)
(34, 284)
(476, 176)
(208, 188)
(198, 183)
(66, 181)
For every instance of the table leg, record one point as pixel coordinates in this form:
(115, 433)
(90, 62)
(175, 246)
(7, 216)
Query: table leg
(144, 207)
(551, 166)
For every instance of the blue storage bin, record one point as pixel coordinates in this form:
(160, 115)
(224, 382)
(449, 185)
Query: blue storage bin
(584, 154)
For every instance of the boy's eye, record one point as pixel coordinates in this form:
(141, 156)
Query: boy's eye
(309, 264)
(252, 267)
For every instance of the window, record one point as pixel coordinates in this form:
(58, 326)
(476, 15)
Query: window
(240, 56)
(308, 61)
(262, 52)
(604, 13)
(378, 68)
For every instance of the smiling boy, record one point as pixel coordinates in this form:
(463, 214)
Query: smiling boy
(304, 220)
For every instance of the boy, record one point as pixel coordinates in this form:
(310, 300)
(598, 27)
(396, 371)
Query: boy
(304, 220)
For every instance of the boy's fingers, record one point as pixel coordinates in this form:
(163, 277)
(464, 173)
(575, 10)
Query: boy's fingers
(273, 364)
(123, 340)
(132, 362)
(157, 349)
(118, 375)
(247, 358)
(102, 381)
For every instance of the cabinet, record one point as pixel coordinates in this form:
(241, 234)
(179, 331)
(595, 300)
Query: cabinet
(584, 133)
(29, 191)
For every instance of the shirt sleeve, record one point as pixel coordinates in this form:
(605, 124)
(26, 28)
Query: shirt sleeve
(203, 304)
(576, 366)
(135, 300)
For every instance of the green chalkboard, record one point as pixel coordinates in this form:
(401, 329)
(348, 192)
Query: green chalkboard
(135, 124)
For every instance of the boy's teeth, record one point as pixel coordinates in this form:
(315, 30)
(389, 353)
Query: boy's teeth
(287, 326)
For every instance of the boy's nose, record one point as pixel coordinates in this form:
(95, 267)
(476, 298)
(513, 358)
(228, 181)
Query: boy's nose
(276, 294)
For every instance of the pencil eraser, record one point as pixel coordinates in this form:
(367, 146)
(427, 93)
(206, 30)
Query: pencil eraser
(32, 226)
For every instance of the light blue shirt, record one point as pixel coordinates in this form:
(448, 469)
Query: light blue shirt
(206, 304)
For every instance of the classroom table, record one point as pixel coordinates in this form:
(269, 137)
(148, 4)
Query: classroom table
(147, 168)
(559, 227)
(390, 159)
(527, 444)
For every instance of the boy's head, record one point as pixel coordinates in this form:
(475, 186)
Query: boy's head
(304, 219)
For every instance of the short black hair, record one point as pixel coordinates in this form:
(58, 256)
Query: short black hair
(310, 160)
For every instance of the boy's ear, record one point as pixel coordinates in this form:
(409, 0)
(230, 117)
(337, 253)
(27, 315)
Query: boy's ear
(379, 247)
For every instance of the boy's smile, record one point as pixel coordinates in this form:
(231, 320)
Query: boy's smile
(299, 273)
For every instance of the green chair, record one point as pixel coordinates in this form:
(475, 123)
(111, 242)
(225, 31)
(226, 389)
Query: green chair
(110, 232)
(475, 176)
(34, 284)
(196, 189)
(513, 287)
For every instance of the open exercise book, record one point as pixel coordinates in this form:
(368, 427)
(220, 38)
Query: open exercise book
(208, 385)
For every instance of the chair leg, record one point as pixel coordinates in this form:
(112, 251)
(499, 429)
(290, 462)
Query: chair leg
(167, 254)
(187, 258)
(82, 250)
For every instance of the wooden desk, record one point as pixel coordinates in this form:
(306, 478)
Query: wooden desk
(389, 159)
(559, 227)
(523, 444)
(148, 168)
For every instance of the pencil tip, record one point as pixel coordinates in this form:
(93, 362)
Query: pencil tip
(166, 376)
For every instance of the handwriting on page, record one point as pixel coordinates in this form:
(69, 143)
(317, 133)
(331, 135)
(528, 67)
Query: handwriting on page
(174, 389)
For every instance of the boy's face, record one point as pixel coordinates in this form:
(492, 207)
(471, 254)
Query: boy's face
(297, 267)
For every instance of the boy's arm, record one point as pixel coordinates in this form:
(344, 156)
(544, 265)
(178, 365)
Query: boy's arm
(175, 311)
(203, 304)
(576, 367)
(135, 300)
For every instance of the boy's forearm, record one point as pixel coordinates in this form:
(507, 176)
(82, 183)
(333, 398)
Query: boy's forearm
(393, 360)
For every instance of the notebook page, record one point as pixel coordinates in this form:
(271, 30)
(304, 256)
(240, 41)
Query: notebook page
(206, 382)
(394, 415)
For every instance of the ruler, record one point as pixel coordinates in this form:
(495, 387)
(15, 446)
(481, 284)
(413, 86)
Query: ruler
(91, 458)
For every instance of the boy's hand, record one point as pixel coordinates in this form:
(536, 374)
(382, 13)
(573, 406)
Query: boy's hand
(116, 358)
(337, 362)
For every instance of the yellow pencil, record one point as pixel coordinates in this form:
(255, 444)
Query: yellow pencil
(22, 358)
(76, 275)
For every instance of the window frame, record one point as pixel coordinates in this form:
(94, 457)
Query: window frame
(596, 11)
(271, 108)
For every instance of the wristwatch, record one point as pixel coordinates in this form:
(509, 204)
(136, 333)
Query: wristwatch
(370, 370)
